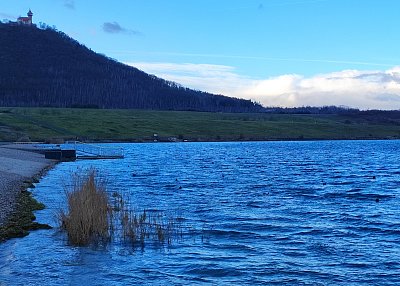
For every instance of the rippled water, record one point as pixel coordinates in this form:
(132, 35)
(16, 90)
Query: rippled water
(308, 213)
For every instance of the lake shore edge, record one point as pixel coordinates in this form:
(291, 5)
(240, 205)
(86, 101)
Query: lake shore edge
(20, 169)
(140, 141)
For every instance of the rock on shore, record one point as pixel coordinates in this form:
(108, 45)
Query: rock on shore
(17, 168)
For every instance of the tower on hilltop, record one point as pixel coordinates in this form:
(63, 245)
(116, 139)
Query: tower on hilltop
(26, 20)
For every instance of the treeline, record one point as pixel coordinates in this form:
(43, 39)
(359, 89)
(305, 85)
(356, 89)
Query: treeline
(376, 115)
(42, 67)
(313, 110)
(387, 117)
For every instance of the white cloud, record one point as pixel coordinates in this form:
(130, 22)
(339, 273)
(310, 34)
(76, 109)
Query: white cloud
(353, 88)
(205, 77)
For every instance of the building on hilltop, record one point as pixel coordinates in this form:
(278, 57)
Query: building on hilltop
(26, 20)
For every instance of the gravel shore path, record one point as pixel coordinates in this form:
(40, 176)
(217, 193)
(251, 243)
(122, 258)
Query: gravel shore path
(16, 166)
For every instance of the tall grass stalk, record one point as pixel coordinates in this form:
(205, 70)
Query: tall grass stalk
(138, 227)
(88, 217)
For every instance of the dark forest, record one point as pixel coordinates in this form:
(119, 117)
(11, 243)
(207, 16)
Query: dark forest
(43, 67)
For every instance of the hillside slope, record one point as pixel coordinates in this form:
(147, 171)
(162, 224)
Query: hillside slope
(44, 67)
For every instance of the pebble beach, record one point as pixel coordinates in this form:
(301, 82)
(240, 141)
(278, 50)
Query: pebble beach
(17, 167)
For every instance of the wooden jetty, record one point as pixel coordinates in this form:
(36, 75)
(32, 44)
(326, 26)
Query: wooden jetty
(75, 150)
(86, 151)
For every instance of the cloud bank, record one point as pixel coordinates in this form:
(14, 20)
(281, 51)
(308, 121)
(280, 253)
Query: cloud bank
(353, 88)
(115, 28)
(374, 89)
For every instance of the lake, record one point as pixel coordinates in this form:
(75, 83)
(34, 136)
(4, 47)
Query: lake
(296, 213)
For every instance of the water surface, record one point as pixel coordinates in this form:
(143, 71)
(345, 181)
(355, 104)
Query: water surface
(300, 213)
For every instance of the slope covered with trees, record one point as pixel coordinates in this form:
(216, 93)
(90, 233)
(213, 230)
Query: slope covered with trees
(45, 67)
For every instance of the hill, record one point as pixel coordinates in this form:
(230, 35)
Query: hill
(47, 68)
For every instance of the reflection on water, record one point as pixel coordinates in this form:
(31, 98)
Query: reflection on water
(263, 212)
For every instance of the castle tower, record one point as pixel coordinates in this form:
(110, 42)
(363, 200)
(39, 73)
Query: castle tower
(26, 20)
(30, 14)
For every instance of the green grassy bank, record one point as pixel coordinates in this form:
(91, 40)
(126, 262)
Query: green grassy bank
(21, 222)
(40, 124)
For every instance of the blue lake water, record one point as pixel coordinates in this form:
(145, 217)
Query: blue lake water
(296, 213)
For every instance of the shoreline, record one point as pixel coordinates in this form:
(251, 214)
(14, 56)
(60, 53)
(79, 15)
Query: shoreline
(236, 141)
(139, 141)
(19, 170)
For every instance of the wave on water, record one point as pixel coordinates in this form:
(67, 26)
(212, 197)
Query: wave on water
(254, 213)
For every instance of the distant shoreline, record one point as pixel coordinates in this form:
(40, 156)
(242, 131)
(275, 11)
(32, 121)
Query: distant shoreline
(205, 141)
(56, 125)
(243, 141)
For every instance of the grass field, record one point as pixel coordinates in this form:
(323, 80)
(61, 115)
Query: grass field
(43, 124)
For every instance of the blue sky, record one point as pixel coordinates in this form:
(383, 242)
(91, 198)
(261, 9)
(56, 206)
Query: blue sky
(277, 52)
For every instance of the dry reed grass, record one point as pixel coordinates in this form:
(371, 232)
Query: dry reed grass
(92, 218)
(88, 217)
(138, 227)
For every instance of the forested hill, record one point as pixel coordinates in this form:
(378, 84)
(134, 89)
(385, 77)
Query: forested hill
(44, 67)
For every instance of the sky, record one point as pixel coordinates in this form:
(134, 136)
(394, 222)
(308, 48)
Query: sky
(277, 52)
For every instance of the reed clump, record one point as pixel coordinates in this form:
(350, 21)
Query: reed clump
(87, 219)
(139, 227)
(92, 217)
